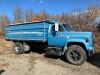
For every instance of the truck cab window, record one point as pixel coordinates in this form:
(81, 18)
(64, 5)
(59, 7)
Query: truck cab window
(53, 28)
(61, 29)
(67, 27)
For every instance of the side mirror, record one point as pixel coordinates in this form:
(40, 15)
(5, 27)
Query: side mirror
(56, 26)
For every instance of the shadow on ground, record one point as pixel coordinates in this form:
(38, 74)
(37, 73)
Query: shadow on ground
(95, 60)
(1, 71)
(39, 50)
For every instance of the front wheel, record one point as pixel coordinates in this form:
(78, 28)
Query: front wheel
(75, 55)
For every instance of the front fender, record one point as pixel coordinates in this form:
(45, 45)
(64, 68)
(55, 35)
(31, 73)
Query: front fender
(83, 41)
(73, 41)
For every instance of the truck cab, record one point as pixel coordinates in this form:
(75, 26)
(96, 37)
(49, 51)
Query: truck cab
(76, 46)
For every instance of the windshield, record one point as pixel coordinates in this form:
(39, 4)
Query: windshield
(67, 27)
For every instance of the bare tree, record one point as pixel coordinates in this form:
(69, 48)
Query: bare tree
(78, 19)
(4, 21)
(42, 15)
(45, 16)
(18, 15)
(81, 20)
(29, 15)
(98, 27)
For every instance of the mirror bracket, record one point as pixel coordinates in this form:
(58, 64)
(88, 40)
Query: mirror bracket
(56, 26)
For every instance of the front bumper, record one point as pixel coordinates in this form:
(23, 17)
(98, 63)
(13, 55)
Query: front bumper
(91, 51)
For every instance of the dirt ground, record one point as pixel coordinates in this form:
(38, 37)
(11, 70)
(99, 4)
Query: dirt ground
(37, 63)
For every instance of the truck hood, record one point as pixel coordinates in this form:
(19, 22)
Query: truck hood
(80, 35)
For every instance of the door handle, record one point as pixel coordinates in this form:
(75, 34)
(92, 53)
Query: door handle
(60, 35)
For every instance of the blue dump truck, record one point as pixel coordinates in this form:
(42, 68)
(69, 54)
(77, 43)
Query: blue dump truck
(57, 38)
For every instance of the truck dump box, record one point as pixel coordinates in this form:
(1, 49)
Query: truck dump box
(36, 31)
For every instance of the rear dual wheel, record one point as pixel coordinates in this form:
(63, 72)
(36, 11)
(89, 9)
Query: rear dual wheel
(18, 48)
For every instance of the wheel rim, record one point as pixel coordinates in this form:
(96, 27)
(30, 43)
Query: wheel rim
(17, 49)
(75, 56)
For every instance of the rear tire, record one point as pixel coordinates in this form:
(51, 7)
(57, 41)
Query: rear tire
(75, 55)
(18, 48)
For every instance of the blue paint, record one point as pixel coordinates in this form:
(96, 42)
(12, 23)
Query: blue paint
(42, 31)
(28, 31)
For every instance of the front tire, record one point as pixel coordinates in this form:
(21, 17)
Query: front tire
(75, 55)
(18, 48)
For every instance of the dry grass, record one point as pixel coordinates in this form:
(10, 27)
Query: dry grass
(5, 46)
(97, 41)
(4, 43)
(5, 64)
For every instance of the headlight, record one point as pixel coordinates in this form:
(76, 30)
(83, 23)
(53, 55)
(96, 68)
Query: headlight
(87, 40)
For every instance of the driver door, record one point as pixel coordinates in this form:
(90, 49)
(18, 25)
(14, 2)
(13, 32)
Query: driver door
(57, 38)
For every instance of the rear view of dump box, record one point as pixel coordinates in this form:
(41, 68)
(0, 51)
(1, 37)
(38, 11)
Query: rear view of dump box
(36, 31)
